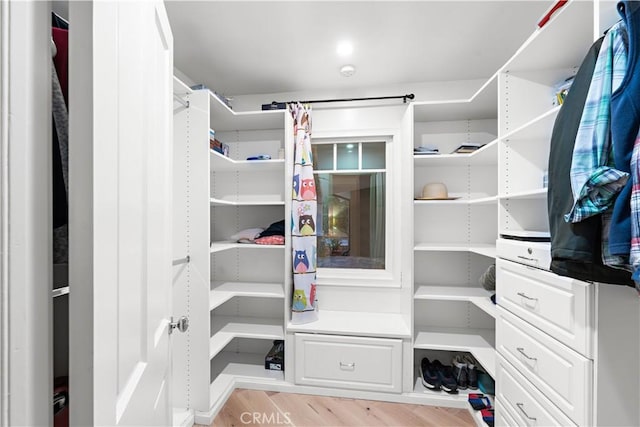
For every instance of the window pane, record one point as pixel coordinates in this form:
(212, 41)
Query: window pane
(373, 155)
(351, 220)
(347, 156)
(322, 156)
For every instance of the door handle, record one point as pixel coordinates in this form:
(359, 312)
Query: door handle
(182, 324)
(520, 405)
(523, 295)
(521, 351)
(351, 365)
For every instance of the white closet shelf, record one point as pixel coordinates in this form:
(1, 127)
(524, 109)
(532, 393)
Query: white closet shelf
(246, 201)
(222, 292)
(538, 193)
(482, 105)
(389, 325)
(180, 88)
(538, 128)
(58, 292)
(243, 327)
(218, 162)
(486, 249)
(462, 396)
(552, 46)
(240, 366)
(224, 118)
(485, 156)
(226, 245)
(478, 296)
(462, 201)
(478, 342)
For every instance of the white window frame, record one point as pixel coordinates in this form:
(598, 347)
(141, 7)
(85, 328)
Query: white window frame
(389, 277)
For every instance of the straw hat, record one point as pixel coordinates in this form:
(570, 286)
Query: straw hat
(435, 191)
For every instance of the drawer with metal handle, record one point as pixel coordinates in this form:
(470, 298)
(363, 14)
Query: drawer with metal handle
(559, 306)
(349, 362)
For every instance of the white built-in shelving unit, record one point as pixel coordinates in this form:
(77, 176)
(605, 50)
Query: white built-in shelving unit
(454, 240)
(236, 291)
(238, 295)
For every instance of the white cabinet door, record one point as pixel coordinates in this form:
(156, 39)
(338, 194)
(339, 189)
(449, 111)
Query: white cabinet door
(122, 171)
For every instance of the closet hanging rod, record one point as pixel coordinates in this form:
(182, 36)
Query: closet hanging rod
(184, 260)
(374, 98)
(184, 103)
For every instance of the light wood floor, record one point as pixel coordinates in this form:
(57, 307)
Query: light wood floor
(264, 408)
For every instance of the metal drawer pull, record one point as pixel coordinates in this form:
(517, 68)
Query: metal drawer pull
(351, 365)
(523, 295)
(521, 350)
(520, 405)
(528, 259)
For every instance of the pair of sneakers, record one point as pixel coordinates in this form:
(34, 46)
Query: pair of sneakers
(436, 376)
(465, 371)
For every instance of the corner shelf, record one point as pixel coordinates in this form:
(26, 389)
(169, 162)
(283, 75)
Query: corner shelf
(240, 366)
(224, 118)
(539, 193)
(475, 341)
(221, 163)
(222, 292)
(244, 200)
(489, 200)
(226, 245)
(475, 295)
(538, 128)
(243, 327)
(487, 155)
(486, 249)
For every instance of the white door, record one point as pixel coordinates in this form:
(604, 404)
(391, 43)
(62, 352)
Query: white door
(128, 245)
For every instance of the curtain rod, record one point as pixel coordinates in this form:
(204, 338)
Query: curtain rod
(318, 101)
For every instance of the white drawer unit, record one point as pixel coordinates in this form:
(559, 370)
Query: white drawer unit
(373, 364)
(535, 254)
(504, 418)
(521, 397)
(559, 372)
(559, 306)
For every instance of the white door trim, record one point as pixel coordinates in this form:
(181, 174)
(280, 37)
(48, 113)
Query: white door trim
(25, 215)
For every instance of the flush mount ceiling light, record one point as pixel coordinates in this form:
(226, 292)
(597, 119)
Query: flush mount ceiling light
(345, 48)
(347, 70)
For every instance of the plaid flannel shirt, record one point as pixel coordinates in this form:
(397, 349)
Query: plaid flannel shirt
(594, 179)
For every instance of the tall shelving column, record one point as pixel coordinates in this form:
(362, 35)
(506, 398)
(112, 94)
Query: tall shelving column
(247, 281)
(454, 240)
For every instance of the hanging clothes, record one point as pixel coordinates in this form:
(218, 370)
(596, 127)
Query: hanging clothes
(575, 247)
(624, 236)
(595, 181)
(303, 220)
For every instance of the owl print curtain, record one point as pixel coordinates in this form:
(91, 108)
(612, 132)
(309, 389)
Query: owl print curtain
(303, 220)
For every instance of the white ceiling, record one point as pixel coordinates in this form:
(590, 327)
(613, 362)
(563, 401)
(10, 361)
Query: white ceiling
(242, 47)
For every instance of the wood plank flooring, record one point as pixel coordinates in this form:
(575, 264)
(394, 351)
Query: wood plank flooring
(265, 408)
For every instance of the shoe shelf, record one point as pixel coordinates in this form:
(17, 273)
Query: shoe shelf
(222, 292)
(478, 342)
(461, 396)
(238, 367)
(478, 296)
(226, 245)
(243, 327)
